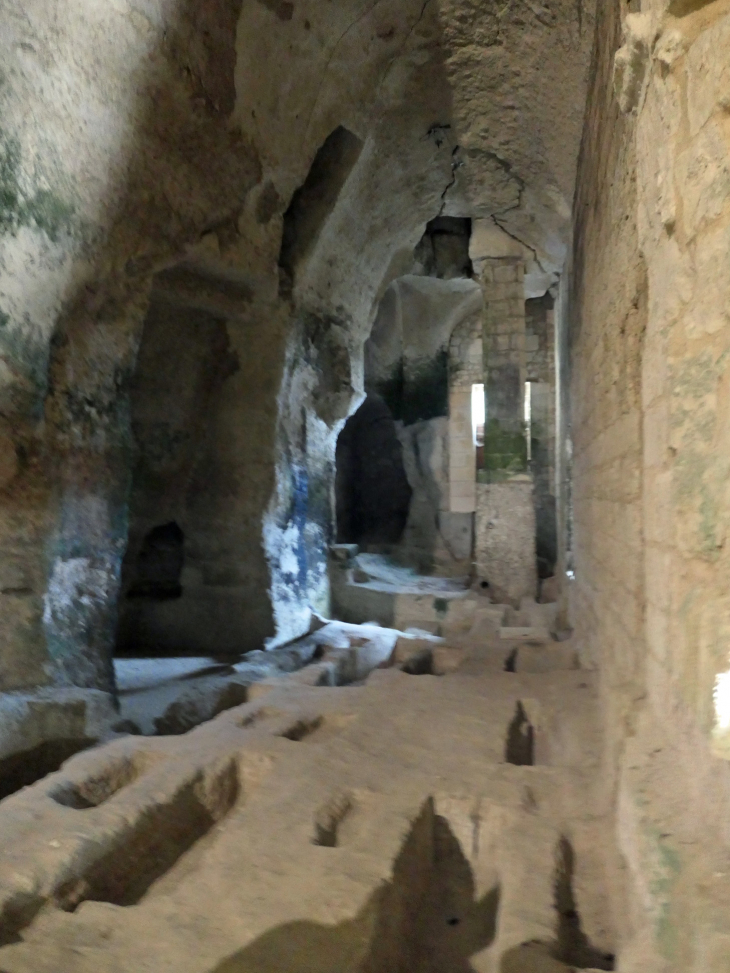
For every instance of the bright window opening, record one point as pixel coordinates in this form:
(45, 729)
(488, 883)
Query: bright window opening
(478, 414)
(528, 418)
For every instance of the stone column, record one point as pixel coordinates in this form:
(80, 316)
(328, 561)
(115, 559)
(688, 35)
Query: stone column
(505, 446)
(462, 452)
(505, 520)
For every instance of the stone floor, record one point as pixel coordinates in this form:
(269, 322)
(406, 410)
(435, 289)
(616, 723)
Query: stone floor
(407, 821)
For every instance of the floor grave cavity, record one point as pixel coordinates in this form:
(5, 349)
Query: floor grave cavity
(99, 787)
(23, 769)
(375, 877)
(330, 818)
(419, 664)
(426, 919)
(151, 846)
(303, 728)
(316, 729)
(259, 716)
(520, 744)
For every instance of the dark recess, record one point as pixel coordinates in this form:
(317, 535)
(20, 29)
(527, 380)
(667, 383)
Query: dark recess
(546, 537)
(313, 202)
(302, 729)
(420, 664)
(443, 250)
(371, 488)
(146, 851)
(520, 748)
(511, 661)
(420, 395)
(23, 769)
(160, 564)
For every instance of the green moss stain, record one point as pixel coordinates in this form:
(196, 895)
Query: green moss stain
(41, 209)
(49, 213)
(427, 390)
(26, 349)
(10, 199)
(696, 488)
(505, 452)
(695, 377)
(670, 866)
(391, 390)
(422, 394)
(709, 522)
(689, 470)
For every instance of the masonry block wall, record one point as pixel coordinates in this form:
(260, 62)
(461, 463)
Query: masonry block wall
(504, 365)
(540, 339)
(649, 338)
(505, 521)
(505, 540)
(607, 596)
(466, 368)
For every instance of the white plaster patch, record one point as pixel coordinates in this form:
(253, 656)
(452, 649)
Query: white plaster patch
(288, 562)
(73, 582)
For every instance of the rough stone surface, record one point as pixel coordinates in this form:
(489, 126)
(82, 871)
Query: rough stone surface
(205, 211)
(304, 829)
(505, 540)
(648, 336)
(159, 151)
(372, 490)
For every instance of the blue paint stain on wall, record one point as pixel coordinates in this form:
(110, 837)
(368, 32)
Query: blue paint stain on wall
(307, 530)
(300, 506)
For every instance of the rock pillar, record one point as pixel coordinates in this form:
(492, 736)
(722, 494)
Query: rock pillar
(505, 445)
(505, 521)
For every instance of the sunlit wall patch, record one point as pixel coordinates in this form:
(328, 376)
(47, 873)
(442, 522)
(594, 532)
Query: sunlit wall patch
(478, 413)
(721, 697)
(721, 729)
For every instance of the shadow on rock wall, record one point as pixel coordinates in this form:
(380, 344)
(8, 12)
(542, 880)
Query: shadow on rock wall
(372, 490)
(425, 920)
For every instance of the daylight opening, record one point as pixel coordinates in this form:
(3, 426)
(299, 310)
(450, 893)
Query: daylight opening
(478, 413)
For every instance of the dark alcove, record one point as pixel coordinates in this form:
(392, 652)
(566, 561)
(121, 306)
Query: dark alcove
(372, 490)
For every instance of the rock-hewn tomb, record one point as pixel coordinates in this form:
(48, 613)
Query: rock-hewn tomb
(364, 486)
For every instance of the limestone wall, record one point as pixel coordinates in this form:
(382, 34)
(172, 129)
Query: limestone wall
(466, 368)
(183, 144)
(116, 156)
(505, 540)
(649, 338)
(605, 388)
(412, 360)
(373, 494)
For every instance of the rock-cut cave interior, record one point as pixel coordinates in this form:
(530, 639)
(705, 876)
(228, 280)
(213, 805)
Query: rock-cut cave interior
(364, 486)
